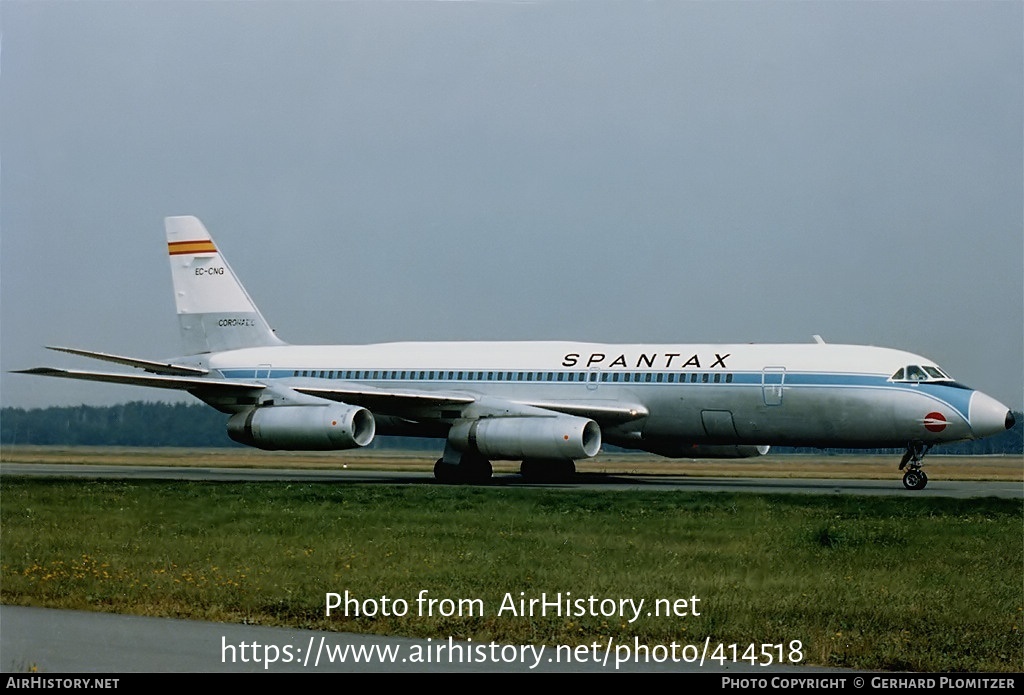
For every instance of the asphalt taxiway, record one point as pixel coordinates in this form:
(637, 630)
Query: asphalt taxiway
(598, 481)
(41, 641)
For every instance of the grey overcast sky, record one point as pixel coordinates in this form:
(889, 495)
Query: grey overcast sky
(602, 171)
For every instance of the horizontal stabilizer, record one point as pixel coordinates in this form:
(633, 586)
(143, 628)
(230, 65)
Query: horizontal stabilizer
(159, 382)
(148, 365)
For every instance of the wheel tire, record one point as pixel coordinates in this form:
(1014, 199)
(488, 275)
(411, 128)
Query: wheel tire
(475, 470)
(445, 472)
(915, 479)
(547, 471)
(471, 470)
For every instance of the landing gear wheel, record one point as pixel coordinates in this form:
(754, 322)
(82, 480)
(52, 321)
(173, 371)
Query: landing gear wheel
(530, 470)
(545, 471)
(915, 479)
(445, 472)
(471, 470)
(475, 470)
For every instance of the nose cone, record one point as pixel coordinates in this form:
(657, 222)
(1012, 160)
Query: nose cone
(988, 416)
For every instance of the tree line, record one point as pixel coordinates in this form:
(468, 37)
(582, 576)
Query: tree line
(194, 425)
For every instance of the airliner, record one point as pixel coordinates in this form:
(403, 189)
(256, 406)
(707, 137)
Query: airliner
(545, 404)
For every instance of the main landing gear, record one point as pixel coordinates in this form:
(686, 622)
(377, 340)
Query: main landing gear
(914, 478)
(547, 471)
(474, 470)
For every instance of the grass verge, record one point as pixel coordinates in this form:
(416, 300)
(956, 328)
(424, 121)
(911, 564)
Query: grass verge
(923, 584)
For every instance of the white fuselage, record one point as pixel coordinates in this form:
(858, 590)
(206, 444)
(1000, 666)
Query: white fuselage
(811, 395)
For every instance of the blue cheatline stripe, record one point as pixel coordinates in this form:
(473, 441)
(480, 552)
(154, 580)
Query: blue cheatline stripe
(566, 376)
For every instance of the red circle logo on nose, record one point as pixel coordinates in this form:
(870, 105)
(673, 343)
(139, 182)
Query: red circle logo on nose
(935, 422)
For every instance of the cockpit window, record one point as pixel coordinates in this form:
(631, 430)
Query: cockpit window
(915, 373)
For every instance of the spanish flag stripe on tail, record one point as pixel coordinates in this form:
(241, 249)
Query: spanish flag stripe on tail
(178, 248)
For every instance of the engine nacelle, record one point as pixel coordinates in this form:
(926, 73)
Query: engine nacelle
(517, 438)
(707, 451)
(303, 427)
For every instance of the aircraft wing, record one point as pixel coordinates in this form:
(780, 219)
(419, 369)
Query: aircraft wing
(386, 401)
(406, 403)
(416, 404)
(180, 383)
(601, 411)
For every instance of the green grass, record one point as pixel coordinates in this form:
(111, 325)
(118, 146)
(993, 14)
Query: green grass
(925, 584)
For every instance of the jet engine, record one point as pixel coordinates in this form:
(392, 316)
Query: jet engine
(517, 438)
(303, 427)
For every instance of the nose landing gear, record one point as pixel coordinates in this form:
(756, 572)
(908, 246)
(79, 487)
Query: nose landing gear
(914, 478)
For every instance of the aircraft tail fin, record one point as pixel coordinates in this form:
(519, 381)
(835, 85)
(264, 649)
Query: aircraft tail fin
(215, 312)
